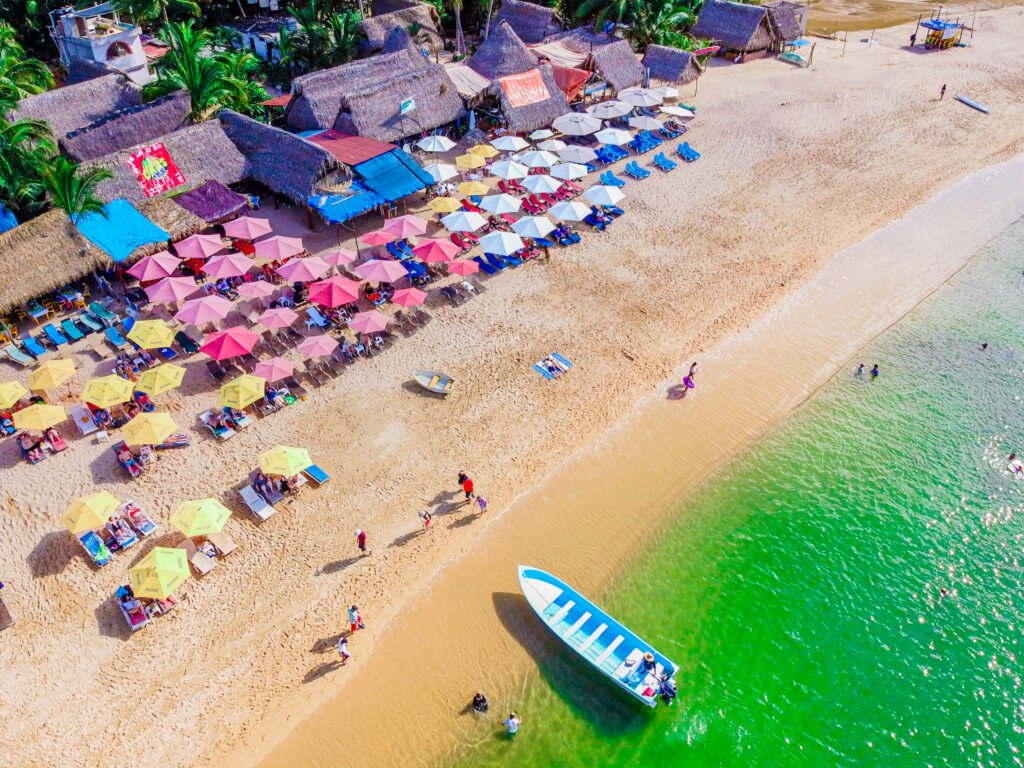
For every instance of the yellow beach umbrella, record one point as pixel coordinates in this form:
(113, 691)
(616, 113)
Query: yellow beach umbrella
(87, 513)
(243, 391)
(200, 517)
(159, 573)
(151, 334)
(160, 379)
(444, 205)
(11, 392)
(284, 460)
(148, 429)
(106, 391)
(39, 417)
(52, 373)
(484, 150)
(466, 162)
(468, 188)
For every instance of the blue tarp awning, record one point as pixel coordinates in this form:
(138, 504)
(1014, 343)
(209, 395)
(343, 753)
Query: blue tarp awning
(391, 176)
(410, 162)
(122, 231)
(939, 25)
(7, 220)
(340, 208)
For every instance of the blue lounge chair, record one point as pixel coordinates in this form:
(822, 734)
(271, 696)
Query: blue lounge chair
(316, 318)
(102, 314)
(393, 249)
(15, 355)
(634, 171)
(96, 548)
(115, 338)
(414, 268)
(487, 268)
(88, 322)
(543, 242)
(688, 153)
(609, 179)
(33, 347)
(593, 222)
(495, 262)
(512, 260)
(663, 162)
(188, 346)
(71, 330)
(167, 353)
(316, 475)
(56, 338)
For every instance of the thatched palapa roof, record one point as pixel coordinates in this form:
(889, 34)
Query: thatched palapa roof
(611, 57)
(735, 26)
(670, 65)
(522, 119)
(502, 53)
(80, 70)
(380, 7)
(128, 127)
(75, 106)
(531, 22)
(376, 29)
(783, 21)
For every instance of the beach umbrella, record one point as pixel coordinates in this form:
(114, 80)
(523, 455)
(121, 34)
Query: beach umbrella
(379, 237)
(241, 392)
(602, 195)
(107, 391)
(278, 317)
(444, 205)
(303, 270)
(510, 143)
(541, 133)
(51, 373)
(372, 321)
(552, 145)
(161, 264)
(10, 393)
(232, 342)
(541, 184)
(644, 123)
(441, 172)
(160, 379)
(172, 289)
(538, 158)
(509, 169)
(569, 171)
(609, 109)
(501, 243)
(151, 334)
(677, 112)
(470, 188)
(570, 211)
(435, 144)
(484, 150)
(640, 97)
(576, 124)
(533, 226)
(463, 267)
(247, 228)
(200, 517)
(39, 417)
(199, 247)
(257, 289)
(278, 248)
(159, 573)
(666, 92)
(409, 297)
(339, 258)
(317, 346)
(436, 250)
(464, 221)
(501, 203)
(381, 271)
(405, 226)
(334, 291)
(205, 309)
(274, 369)
(87, 513)
(228, 265)
(469, 162)
(615, 136)
(285, 460)
(148, 429)
(577, 155)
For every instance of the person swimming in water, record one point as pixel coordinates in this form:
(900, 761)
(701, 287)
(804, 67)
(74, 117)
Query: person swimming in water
(480, 705)
(1015, 464)
(860, 370)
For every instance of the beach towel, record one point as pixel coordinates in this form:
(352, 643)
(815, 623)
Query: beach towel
(555, 360)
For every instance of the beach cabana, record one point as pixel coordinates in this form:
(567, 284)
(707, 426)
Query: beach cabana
(530, 100)
(611, 58)
(76, 106)
(787, 22)
(532, 23)
(376, 29)
(670, 65)
(737, 27)
(502, 53)
(127, 127)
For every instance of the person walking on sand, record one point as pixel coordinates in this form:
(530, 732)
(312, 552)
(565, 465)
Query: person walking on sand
(482, 503)
(512, 723)
(693, 370)
(466, 482)
(874, 371)
(425, 517)
(355, 619)
(360, 535)
(343, 650)
(687, 385)
(942, 92)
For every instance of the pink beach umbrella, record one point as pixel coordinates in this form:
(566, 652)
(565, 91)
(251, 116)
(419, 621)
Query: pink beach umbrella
(369, 322)
(379, 237)
(317, 346)
(172, 289)
(406, 226)
(381, 271)
(230, 343)
(279, 317)
(277, 248)
(463, 267)
(205, 309)
(340, 257)
(409, 297)
(274, 369)
(257, 289)
(161, 264)
(303, 270)
(199, 247)
(247, 228)
(436, 250)
(228, 265)
(334, 291)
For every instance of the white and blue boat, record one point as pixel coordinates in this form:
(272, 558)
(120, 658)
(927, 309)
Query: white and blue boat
(631, 662)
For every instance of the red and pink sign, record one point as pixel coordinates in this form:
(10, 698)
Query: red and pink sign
(155, 169)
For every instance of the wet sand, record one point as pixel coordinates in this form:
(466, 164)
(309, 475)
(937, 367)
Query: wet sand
(830, 16)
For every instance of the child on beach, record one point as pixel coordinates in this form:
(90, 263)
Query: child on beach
(860, 370)
(874, 371)
(355, 619)
(466, 482)
(425, 517)
(360, 535)
(482, 503)
(343, 650)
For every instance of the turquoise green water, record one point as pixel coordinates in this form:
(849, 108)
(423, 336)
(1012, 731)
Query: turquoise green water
(800, 591)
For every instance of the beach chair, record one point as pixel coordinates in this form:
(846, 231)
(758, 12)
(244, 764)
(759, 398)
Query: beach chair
(88, 322)
(83, 419)
(274, 344)
(495, 262)
(421, 316)
(221, 433)
(313, 372)
(116, 340)
(663, 162)
(71, 330)
(297, 390)
(96, 344)
(264, 407)
(167, 353)
(688, 153)
(15, 355)
(484, 266)
(222, 542)
(453, 298)
(257, 504)
(201, 562)
(131, 466)
(34, 348)
(315, 318)
(137, 618)
(512, 260)
(218, 374)
(137, 518)
(316, 475)
(240, 418)
(188, 346)
(101, 313)
(94, 545)
(54, 336)
(291, 336)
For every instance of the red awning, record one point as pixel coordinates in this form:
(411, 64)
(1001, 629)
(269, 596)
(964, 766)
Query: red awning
(570, 81)
(526, 88)
(278, 101)
(349, 149)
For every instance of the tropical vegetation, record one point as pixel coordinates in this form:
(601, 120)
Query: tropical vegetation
(141, 11)
(321, 38)
(72, 188)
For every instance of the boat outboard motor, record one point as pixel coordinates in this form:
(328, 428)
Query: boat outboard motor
(668, 691)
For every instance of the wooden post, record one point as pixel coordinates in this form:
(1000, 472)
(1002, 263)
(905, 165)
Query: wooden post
(846, 36)
(309, 218)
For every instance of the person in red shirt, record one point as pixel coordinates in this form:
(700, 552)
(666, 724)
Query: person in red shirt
(361, 540)
(467, 485)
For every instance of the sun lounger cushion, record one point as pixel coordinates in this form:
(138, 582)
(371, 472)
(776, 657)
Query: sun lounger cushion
(16, 355)
(33, 347)
(71, 330)
(316, 474)
(96, 548)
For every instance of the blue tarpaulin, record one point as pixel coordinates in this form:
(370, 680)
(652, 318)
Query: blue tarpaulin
(122, 231)
(339, 208)
(410, 162)
(391, 176)
(7, 220)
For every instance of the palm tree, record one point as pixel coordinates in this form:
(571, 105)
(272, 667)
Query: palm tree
(319, 40)
(25, 149)
(73, 189)
(151, 10)
(603, 9)
(460, 40)
(188, 66)
(344, 35)
(662, 21)
(242, 94)
(20, 76)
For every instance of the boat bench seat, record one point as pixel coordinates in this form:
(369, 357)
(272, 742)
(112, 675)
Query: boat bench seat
(576, 626)
(608, 651)
(593, 636)
(561, 613)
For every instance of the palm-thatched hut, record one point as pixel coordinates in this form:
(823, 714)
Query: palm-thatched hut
(75, 106)
(531, 22)
(610, 57)
(537, 113)
(127, 127)
(670, 65)
(501, 54)
(376, 29)
(737, 27)
(787, 20)
(80, 70)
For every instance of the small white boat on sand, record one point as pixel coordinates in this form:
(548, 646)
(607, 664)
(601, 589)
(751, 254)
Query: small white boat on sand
(433, 381)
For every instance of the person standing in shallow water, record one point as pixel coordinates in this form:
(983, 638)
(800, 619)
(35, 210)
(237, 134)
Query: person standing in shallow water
(874, 371)
(512, 723)
(860, 370)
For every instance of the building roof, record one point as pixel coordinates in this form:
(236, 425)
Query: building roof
(376, 29)
(531, 22)
(76, 106)
(502, 53)
(538, 114)
(128, 127)
(670, 65)
(734, 25)
(349, 149)
(611, 57)
(80, 70)
(784, 21)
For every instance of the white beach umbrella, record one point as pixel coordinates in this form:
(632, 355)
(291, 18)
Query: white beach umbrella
(666, 91)
(601, 195)
(577, 155)
(463, 221)
(552, 145)
(569, 171)
(533, 226)
(609, 109)
(540, 184)
(677, 112)
(570, 211)
(576, 124)
(501, 243)
(640, 97)
(435, 143)
(510, 143)
(644, 123)
(615, 136)
(501, 204)
(509, 169)
(537, 158)
(441, 172)
(541, 133)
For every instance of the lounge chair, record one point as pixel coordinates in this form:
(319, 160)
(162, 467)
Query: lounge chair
(295, 388)
(96, 344)
(664, 163)
(217, 372)
(264, 407)
(88, 322)
(292, 336)
(273, 343)
(512, 260)
(314, 317)
(131, 466)
(167, 353)
(188, 346)
(495, 262)
(101, 313)
(34, 348)
(201, 562)
(688, 153)
(453, 298)
(137, 518)
(116, 340)
(15, 355)
(55, 337)
(137, 617)
(421, 316)
(240, 418)
(221, 433)
(94, 545)
(256, 503)
(83, 419)
(314, 374)
(332, 366)
(222, 542)
(71, 330)
(316, 475)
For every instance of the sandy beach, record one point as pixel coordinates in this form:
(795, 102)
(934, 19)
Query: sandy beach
(797, 166)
